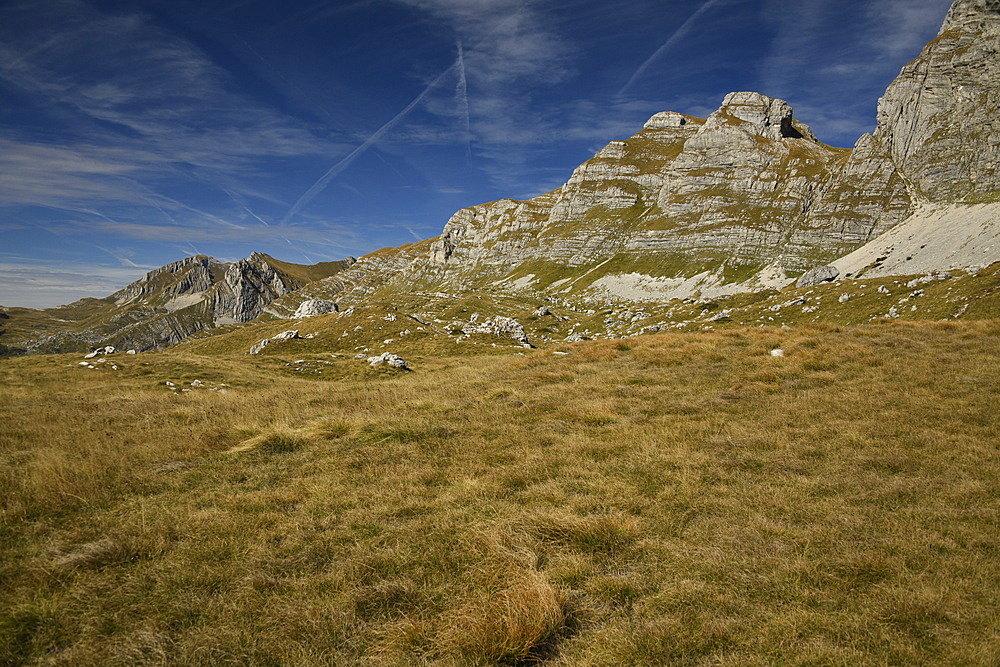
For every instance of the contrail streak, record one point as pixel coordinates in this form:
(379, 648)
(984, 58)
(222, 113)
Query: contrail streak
(673, 39)
(462, 99)
(333, 171)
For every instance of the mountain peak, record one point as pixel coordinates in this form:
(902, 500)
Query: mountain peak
(970, 11)
(762, 115)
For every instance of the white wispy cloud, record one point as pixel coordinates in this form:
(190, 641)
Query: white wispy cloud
(346, 161)
(509, 53)
(135, 106)
(670, 42)
(35, 284)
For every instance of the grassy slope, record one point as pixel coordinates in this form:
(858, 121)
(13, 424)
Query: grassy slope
(674, 498)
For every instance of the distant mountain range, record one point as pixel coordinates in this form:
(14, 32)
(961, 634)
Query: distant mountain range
(687, 208)
(164, 306)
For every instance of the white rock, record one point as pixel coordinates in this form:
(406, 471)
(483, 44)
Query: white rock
(259, 346)
(197, 383)
(844, 298)
(286, 335)
(131, 352)
(387, 358)
(93, 354)
(314, 307)
(777, 352)
(502, 327)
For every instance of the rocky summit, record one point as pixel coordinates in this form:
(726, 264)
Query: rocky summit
(745, 200)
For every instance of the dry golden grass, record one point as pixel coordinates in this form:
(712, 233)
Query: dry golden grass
(679, 499)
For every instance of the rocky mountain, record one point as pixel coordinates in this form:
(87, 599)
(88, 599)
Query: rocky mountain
(746, 199)
(164, 306)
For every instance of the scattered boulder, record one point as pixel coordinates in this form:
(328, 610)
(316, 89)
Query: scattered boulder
(314, 307)
(502, 327)
(777, 352)
(929, 278)
(821, 274)
(110, 349)
(391, 359)
(844, 298)
(291, 334)
(542, 311)
(131, 352)
(360, 355)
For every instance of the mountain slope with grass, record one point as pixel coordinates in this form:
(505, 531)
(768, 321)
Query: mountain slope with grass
(680, 498)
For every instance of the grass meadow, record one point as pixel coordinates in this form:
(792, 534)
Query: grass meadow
(678, 499)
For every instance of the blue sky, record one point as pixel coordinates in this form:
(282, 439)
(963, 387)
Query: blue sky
(135, 133)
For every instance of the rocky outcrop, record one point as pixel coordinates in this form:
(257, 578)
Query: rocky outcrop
(249, 285)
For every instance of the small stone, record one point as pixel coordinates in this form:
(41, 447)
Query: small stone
(844, 298)
(197, 383)
(777, 352)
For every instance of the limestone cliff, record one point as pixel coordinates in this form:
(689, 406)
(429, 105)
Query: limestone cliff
(938, 119)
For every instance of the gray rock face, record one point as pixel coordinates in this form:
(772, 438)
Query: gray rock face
(250, 284)
(821, 274)
(938, 118)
